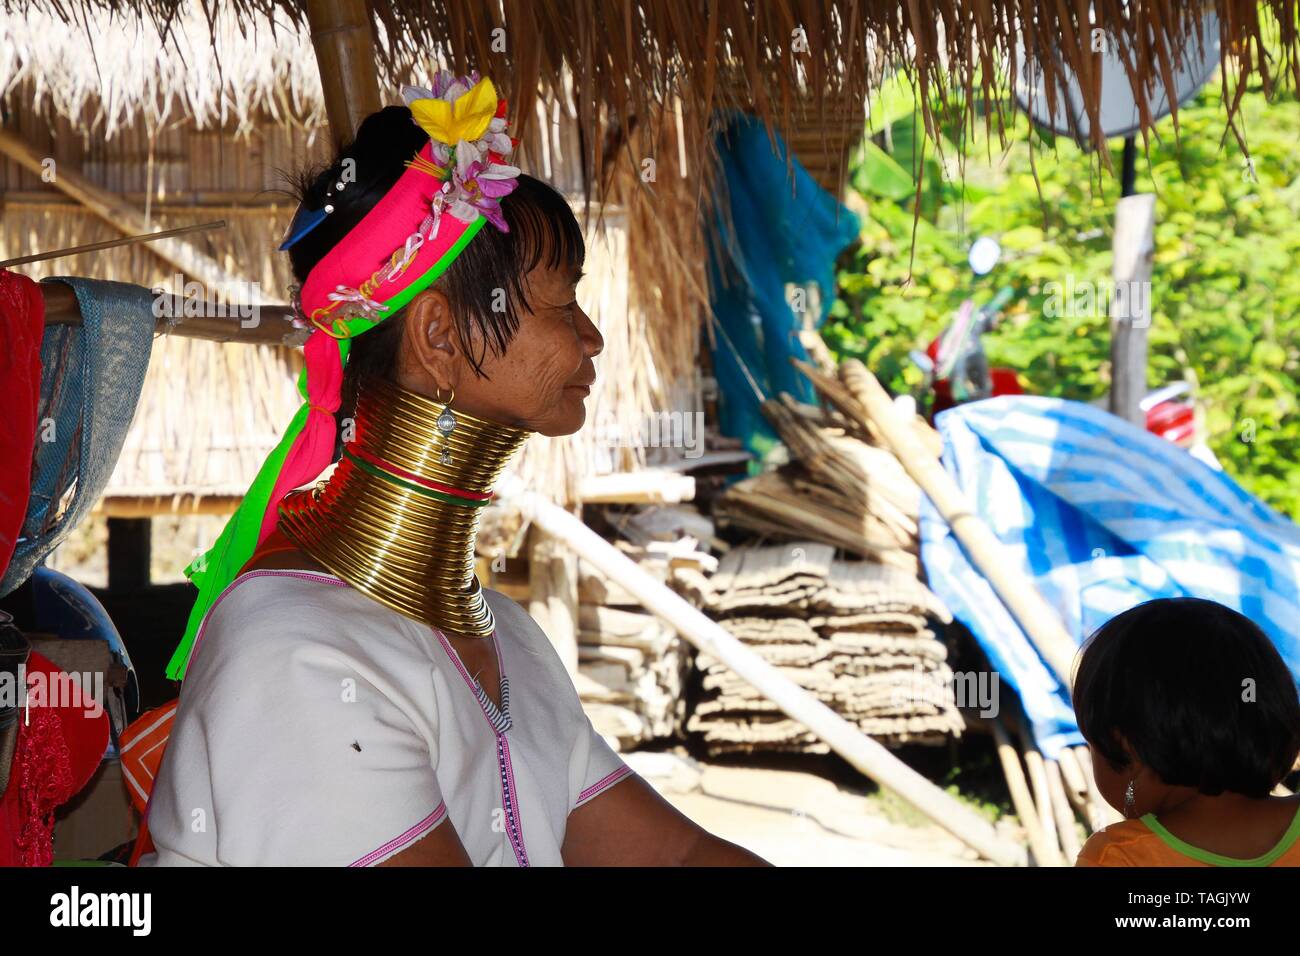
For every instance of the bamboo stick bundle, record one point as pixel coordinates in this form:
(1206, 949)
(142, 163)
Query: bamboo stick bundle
(777, 503)
(1021, 798)
(1043, 804)
(1065, 823)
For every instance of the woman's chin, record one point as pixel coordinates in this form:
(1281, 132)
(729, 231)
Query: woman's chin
(569, 415)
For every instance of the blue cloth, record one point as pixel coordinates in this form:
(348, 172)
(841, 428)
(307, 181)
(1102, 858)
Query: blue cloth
(91, 376)
(1101, 515)
(780, 230)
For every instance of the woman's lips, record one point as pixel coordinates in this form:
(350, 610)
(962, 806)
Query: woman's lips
(585, 389)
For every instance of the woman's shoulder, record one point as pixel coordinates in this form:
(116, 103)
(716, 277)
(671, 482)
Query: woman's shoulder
(519, 630)
(1120, 844)
(268, 616)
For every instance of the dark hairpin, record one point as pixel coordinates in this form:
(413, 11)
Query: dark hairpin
(305, 220)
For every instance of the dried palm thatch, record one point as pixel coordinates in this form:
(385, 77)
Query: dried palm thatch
(614, 61)
(209, 413)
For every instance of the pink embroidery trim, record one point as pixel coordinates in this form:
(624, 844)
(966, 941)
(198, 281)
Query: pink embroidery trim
(410, 836)
(603, 784)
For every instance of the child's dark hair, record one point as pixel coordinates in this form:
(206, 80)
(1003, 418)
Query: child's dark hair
(543, 230)
(1198, 692)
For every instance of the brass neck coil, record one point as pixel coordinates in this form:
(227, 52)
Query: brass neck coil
(395, 521)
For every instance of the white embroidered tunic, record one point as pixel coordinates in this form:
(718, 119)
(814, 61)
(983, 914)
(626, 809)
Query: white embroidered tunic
(317, 727)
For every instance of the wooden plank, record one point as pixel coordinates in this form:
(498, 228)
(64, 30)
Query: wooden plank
(1134, 246)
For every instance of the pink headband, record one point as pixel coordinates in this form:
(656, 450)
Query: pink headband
(388, 257)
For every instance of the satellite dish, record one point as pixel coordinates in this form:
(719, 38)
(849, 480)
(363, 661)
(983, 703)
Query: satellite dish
(984, 255)
(1118, 110)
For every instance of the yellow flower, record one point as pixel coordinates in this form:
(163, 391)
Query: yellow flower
(466, 119)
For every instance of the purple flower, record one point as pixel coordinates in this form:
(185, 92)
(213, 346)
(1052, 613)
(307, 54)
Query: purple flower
(480, 186)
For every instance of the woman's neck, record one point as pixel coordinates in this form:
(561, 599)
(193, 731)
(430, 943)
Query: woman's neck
(398, 517)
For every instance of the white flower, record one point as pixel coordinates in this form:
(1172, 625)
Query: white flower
(412, 93)
(463, 211)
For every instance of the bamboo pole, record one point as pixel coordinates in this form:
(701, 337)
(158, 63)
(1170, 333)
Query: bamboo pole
(1103, 812)
(1042, 794)
(868, 756)
(1061, 810)
(1076, 787)
(1020, 796)
(345, 52)
(1040, 622)
(275, 324)
(114, 243)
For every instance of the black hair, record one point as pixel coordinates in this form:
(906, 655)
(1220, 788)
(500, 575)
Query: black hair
(1199, 693)
(543, 231)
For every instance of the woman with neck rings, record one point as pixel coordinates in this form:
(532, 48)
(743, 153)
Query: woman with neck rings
(351, 695)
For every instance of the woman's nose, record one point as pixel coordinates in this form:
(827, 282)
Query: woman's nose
(591, 337)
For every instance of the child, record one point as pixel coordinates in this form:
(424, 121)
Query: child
(1192, 718)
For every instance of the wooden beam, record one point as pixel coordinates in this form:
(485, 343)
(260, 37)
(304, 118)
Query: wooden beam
(1130, 308)
(345, 52)
(275, 325)
(181, 503)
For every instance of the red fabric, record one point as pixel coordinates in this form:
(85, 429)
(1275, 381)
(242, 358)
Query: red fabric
(59, 749)
(22, 324)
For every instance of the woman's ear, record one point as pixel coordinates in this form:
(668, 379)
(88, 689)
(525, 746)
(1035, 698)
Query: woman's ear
(430, 345)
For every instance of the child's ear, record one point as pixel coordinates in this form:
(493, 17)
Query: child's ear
(1129, 752)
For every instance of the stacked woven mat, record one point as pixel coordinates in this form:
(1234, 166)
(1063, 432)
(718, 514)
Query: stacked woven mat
(633, 666)
(853, 633)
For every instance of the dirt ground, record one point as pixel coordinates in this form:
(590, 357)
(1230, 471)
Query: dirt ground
(796, 817)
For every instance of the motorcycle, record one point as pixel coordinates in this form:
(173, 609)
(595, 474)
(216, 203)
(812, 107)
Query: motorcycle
(957, 370)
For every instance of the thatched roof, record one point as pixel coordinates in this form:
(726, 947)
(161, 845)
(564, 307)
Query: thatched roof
(225, 61)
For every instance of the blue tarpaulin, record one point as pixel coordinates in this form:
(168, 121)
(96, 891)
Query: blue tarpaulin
(781, 230)
(1101, 516)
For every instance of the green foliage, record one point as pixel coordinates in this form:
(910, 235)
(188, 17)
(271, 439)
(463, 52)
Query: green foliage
(1225, 295)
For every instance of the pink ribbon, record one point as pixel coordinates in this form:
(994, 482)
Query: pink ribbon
(313, 449)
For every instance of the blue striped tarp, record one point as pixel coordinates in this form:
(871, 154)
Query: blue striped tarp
(1101, 515)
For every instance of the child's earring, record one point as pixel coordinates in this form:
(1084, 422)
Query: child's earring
(1130, 804)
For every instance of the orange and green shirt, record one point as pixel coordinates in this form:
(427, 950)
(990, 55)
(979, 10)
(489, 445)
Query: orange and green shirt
(1145, 842)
